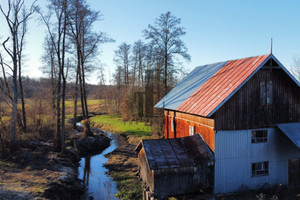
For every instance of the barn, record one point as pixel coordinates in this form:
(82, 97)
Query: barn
(248, 113)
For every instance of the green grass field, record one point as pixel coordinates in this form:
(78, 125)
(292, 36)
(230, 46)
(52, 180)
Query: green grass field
(90, 102)
(69, 103)
(93, 104)
(114, 123)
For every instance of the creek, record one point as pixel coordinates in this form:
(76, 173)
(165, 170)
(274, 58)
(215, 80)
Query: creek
(94, 174)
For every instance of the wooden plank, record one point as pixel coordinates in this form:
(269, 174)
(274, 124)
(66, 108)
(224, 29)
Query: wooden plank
(150, 158)
(180, 152)
(169, 153)
(157, 153)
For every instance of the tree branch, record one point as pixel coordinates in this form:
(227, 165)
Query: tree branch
(7, 50)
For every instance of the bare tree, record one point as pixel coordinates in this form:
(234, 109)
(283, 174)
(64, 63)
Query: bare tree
(165, 35)
(50, 68)
(139, 51)
(15, 19)
(57, 32)
(4, 86)
(122, 61)
(75, 18)
(86, 42)
(118, 76)
(20, 44)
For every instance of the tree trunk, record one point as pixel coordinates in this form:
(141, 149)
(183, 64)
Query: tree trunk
(166, 71)
(84, 91)
(13, 137)
(75, 98)
(62, 137)
(62, 142)
(24, 124)
(54, 88)
(81, 96)
(58, 98)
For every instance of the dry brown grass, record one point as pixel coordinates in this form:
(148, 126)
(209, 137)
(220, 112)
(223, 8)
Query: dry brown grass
(24, 184)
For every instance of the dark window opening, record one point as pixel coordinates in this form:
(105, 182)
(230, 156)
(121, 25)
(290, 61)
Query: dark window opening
(259, 136)
(266, 92)
(260, 169)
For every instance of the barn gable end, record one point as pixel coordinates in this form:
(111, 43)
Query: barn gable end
(244, 110)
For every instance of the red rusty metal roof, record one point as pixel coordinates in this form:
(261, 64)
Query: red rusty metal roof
(222, 85)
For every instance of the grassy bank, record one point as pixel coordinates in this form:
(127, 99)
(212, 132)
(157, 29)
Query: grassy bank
(115, 124)
(122, 164)
(129, 186)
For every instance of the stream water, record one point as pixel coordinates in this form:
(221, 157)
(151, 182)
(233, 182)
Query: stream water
(94, 174)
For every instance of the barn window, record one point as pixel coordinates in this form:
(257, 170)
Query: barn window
(266, 92)
(259, 136)
(172, 125)
(260, 169)
(191, 130)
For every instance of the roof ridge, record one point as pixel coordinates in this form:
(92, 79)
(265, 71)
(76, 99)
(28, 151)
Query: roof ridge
(233, 60)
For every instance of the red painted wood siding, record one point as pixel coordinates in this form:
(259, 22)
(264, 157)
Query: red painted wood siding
(204, 126)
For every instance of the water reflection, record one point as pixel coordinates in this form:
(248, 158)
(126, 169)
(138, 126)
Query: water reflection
(94, 174)
(87, 169)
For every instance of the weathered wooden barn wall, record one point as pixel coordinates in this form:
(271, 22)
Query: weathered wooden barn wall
(179, 181)
(243, 109)
(235, 153)
(182, 122)
(145, 172)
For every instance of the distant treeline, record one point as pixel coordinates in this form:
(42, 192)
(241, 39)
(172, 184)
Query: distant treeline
(33, 87)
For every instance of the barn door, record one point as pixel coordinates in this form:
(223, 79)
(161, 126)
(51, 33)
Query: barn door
(294, 171)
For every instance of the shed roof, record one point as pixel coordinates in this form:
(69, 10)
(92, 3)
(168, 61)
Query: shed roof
(292, 131)
(176, 152)
(208, 87)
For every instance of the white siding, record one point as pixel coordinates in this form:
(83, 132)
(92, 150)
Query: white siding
(234, 154)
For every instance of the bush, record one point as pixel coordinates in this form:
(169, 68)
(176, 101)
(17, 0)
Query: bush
(86, 128)
(126, 107)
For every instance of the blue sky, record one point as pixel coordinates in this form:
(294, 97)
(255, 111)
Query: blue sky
(215, 30)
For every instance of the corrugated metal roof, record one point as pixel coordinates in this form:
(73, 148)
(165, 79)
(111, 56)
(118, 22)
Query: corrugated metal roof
(188, 86)
(222, 85)
(208, 87)
(176, 152)
(292, 131)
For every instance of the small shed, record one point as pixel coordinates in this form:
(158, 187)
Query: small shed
(175, 166)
